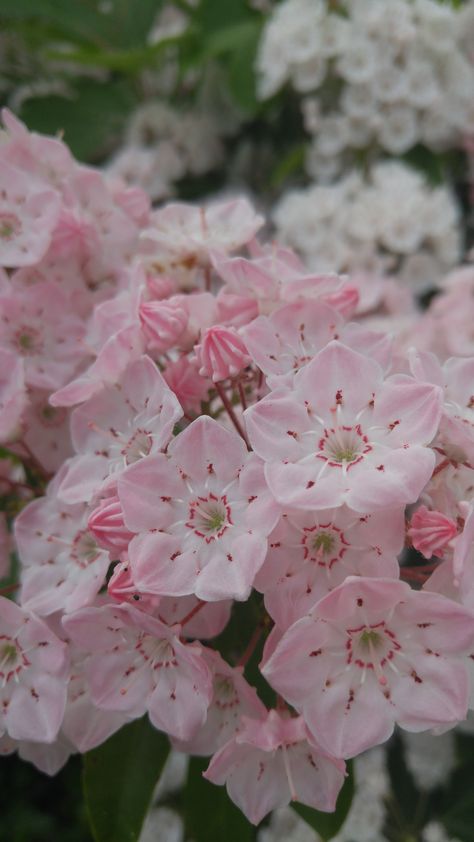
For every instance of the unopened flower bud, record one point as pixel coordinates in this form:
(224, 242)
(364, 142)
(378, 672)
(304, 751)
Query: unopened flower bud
(162, 323)
(430, 532)
(221, 353)
(107, 525)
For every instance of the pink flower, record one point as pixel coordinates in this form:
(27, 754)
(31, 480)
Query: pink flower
(221, 353)
(207, 623)
(371, 654)
(232, 699)
(431, 532)
(311, 553)
(123, 348)
(275, 275)
(120, 425)
(287, 340)
(29, 211)
(455, 439)
(33, 676)
(342, 434)
(38, 326)
(188, 232)
(183, 378)
(270, 762)
(203, 512)
(138, 664)
(85, 725)
(63, 567)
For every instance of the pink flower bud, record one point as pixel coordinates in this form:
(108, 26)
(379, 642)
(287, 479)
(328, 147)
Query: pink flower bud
(221, 353)
(430, 532)
(107, 526)
(162, 323)
(160, 286)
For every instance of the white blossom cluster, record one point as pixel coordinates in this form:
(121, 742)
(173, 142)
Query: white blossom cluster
(430, 759)
(375, 75)
(389, 220)
(163, 145)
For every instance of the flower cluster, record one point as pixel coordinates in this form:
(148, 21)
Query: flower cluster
(389, 76)
(220, 428)
(390, 221)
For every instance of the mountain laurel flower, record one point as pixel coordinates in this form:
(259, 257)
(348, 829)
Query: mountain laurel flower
(138, 664)
(343, 434)
(370, 654)
(270, 762)
(202, 512)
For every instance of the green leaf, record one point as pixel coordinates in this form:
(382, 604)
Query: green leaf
(91, 119)
(241, 74)
(209, 813)
(328, 824)
(212, 15)
(119, 778)
(110, 23)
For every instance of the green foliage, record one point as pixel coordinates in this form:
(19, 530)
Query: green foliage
(119, 778)
(37, 808)
(91, 119)
(329, 824)
(456, 808)
(113, 23)
(209, 813)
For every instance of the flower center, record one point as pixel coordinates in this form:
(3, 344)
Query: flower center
(12, 659)
(343, 446)
(224, 692)
(209, 517)
(137, 447)
(323, 544)
(10, 226)
(159, 653)
(51, 416)
(84, 549)
(28, 341)
(372, 648)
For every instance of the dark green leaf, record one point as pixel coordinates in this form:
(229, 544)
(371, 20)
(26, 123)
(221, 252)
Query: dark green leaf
(111, 23)
(242, 80)
(91, 119)
(209, 813)
(119, 778)
(328, 824)
(212, 15)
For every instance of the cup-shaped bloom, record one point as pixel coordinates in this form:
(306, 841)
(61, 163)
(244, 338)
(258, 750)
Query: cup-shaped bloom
(343, 434)
(270, 762)
(139, 664)
(371, 654)
(120, 425)
(203, 512)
